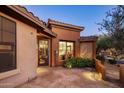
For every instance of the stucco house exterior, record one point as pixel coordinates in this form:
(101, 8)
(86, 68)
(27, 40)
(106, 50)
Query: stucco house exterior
(27, 42)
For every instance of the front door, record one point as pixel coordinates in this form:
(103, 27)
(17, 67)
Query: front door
(43, 54)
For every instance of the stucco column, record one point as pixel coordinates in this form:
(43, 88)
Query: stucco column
(54, 50)
(121, 70)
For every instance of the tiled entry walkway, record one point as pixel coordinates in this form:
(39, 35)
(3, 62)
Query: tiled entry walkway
(60, 77)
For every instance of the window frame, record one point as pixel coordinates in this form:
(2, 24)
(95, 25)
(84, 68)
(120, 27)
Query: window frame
(66, 41)
(12, 44)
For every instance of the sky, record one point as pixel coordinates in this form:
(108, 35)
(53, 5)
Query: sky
(83, 15)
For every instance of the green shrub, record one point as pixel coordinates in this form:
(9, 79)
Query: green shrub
(70, 63)
(79, 62)
(85, 62)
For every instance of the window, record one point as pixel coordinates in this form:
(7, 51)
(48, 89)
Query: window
(66, 50)
(7, 44)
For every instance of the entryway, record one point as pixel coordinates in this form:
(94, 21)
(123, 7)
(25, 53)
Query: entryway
(43, 52)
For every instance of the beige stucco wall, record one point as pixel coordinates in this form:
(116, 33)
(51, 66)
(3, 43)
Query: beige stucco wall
(26, 55)
(86, 50)
(121, 73)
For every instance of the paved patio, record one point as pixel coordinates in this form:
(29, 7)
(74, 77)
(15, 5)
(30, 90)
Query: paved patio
(60, 77)
(112, 73)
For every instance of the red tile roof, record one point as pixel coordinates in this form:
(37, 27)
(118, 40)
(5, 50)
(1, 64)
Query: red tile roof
(30, 16)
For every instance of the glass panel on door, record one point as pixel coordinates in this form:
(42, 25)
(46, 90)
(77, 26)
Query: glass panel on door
(66, 50)
(43, 52)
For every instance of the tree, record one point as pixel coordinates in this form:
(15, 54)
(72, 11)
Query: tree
(104, 42)
(113, 24)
